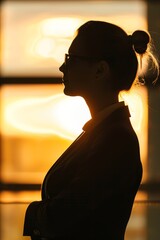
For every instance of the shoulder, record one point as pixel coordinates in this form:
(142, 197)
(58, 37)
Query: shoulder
(114, 132)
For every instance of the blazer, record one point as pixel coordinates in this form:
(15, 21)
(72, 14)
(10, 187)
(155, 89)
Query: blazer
(89, 192)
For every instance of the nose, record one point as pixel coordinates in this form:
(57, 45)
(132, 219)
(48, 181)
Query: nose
(62, 67)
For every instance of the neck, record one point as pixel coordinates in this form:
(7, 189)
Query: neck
(96, 105)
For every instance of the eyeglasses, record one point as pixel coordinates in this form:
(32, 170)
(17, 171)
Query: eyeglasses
(71, 56)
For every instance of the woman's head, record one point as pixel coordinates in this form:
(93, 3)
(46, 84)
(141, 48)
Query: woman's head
(101, 41)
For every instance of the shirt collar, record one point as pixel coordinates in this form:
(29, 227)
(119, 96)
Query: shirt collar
(93, 122)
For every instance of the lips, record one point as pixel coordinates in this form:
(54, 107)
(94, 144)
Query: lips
(64, 79)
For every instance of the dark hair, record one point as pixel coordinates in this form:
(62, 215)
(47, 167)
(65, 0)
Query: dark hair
(111, 43)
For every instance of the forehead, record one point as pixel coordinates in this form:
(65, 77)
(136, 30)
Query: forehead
(78, 46)
(87, 46)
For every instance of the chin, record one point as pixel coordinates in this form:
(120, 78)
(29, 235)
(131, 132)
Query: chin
(69, 92)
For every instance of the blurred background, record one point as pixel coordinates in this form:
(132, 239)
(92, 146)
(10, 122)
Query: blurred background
(38, 122)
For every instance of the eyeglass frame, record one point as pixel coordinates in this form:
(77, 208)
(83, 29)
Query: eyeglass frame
(67, 56)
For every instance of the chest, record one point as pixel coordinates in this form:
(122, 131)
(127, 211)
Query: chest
(66, 168)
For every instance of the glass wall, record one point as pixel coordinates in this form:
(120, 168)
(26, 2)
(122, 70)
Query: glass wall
(38, 122)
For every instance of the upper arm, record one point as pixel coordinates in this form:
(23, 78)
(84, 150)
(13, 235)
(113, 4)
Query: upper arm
(114, 159)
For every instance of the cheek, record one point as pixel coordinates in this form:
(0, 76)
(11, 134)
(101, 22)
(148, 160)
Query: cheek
(76, 82)
(73, 83)
(80, 79)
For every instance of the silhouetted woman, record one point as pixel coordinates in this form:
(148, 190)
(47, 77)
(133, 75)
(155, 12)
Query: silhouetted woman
(89, 192)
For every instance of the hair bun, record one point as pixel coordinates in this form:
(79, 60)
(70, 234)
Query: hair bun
(140, 39)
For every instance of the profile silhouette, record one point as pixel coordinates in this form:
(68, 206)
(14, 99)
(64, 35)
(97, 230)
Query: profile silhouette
(89, 192)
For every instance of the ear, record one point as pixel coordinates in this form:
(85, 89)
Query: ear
(102, 70)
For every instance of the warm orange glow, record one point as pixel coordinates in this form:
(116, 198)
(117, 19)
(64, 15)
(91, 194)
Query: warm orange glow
(60, 27)
(19, 196)
(57, 34)
(58, 114)
(53, 115)
(38, 34)
(38, 122)
(55, 37)
(61, 115)
(45, 47)
(137, 100)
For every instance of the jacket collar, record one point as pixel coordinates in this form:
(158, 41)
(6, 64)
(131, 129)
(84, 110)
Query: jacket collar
(105, 113)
